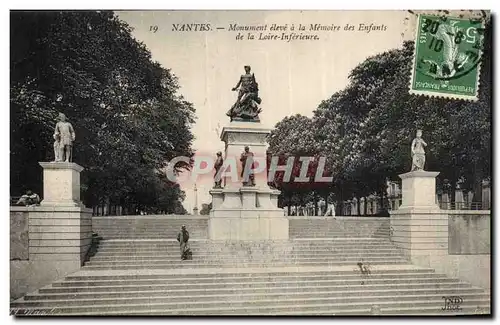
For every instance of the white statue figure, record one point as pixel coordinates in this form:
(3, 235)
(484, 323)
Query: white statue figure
(418, 152)
(64, 135)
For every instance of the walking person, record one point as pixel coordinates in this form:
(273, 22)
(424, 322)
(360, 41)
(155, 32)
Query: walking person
(182, 238)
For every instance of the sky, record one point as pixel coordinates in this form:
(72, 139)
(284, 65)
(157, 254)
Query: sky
(294, 77)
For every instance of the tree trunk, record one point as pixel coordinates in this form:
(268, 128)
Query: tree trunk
(338, 208)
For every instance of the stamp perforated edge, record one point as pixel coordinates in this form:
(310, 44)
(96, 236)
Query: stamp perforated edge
(434, 93)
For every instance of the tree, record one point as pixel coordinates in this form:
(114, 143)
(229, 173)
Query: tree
(293, 138)
(367, 128)
(129, 119)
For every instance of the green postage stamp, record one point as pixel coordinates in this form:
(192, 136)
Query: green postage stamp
(447, 57)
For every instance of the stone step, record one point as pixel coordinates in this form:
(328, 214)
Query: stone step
(357, 284)
(334, 234)
(251, 246)
(207, 250)
(244, 274)
(482, 307)
(250, 251)
(198, 264)
(221, 304)
(242, 259)
(317, 291)
(354, 284)
(267, 247)
(194, 279)
(220, 249)
(207, 255)
(329, 227)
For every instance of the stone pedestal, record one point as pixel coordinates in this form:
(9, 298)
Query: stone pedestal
(59, 231)
(217, 197)
(246, 212)
(419, 227)
(61, 184)
(429, 236)
(419, 190)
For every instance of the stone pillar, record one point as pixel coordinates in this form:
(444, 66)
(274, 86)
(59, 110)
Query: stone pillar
(445, 199)
(61, 228)
(59, 231)
(420, 228)
(376, 204)
(362, 206)
(61, 184)
(486, 195)
(354, 207)
(470, 196)
(459, 199)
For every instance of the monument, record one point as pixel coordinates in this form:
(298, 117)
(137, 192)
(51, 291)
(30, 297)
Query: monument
(246, 209)
(419, 224)
(64, 135)
(246, 107)
(217, 166)
(61, 177)
(60, 229)
(418, 152)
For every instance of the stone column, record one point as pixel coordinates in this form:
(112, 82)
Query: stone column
(375, 204)
(354, 210)
(362, 206)
(445, 199)
(486, 195)
(459, 199)
(370, 205)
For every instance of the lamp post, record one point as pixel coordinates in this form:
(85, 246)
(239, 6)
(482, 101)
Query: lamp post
(195, 209)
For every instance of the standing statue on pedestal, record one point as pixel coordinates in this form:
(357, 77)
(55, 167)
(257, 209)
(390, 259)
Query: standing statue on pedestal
(218, 165)
(246, 107)
(247, 164)
(418, 152)
(64, 135)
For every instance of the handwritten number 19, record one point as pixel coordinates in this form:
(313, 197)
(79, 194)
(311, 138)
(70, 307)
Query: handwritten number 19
(153, 29)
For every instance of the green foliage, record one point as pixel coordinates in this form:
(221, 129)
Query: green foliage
(128, 118)
(295, 137)
(365, 130)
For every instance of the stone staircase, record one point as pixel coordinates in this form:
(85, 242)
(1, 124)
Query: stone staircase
(361, 273)
(339, 227)
(149, 226)
(167, 227)
(120, 255)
